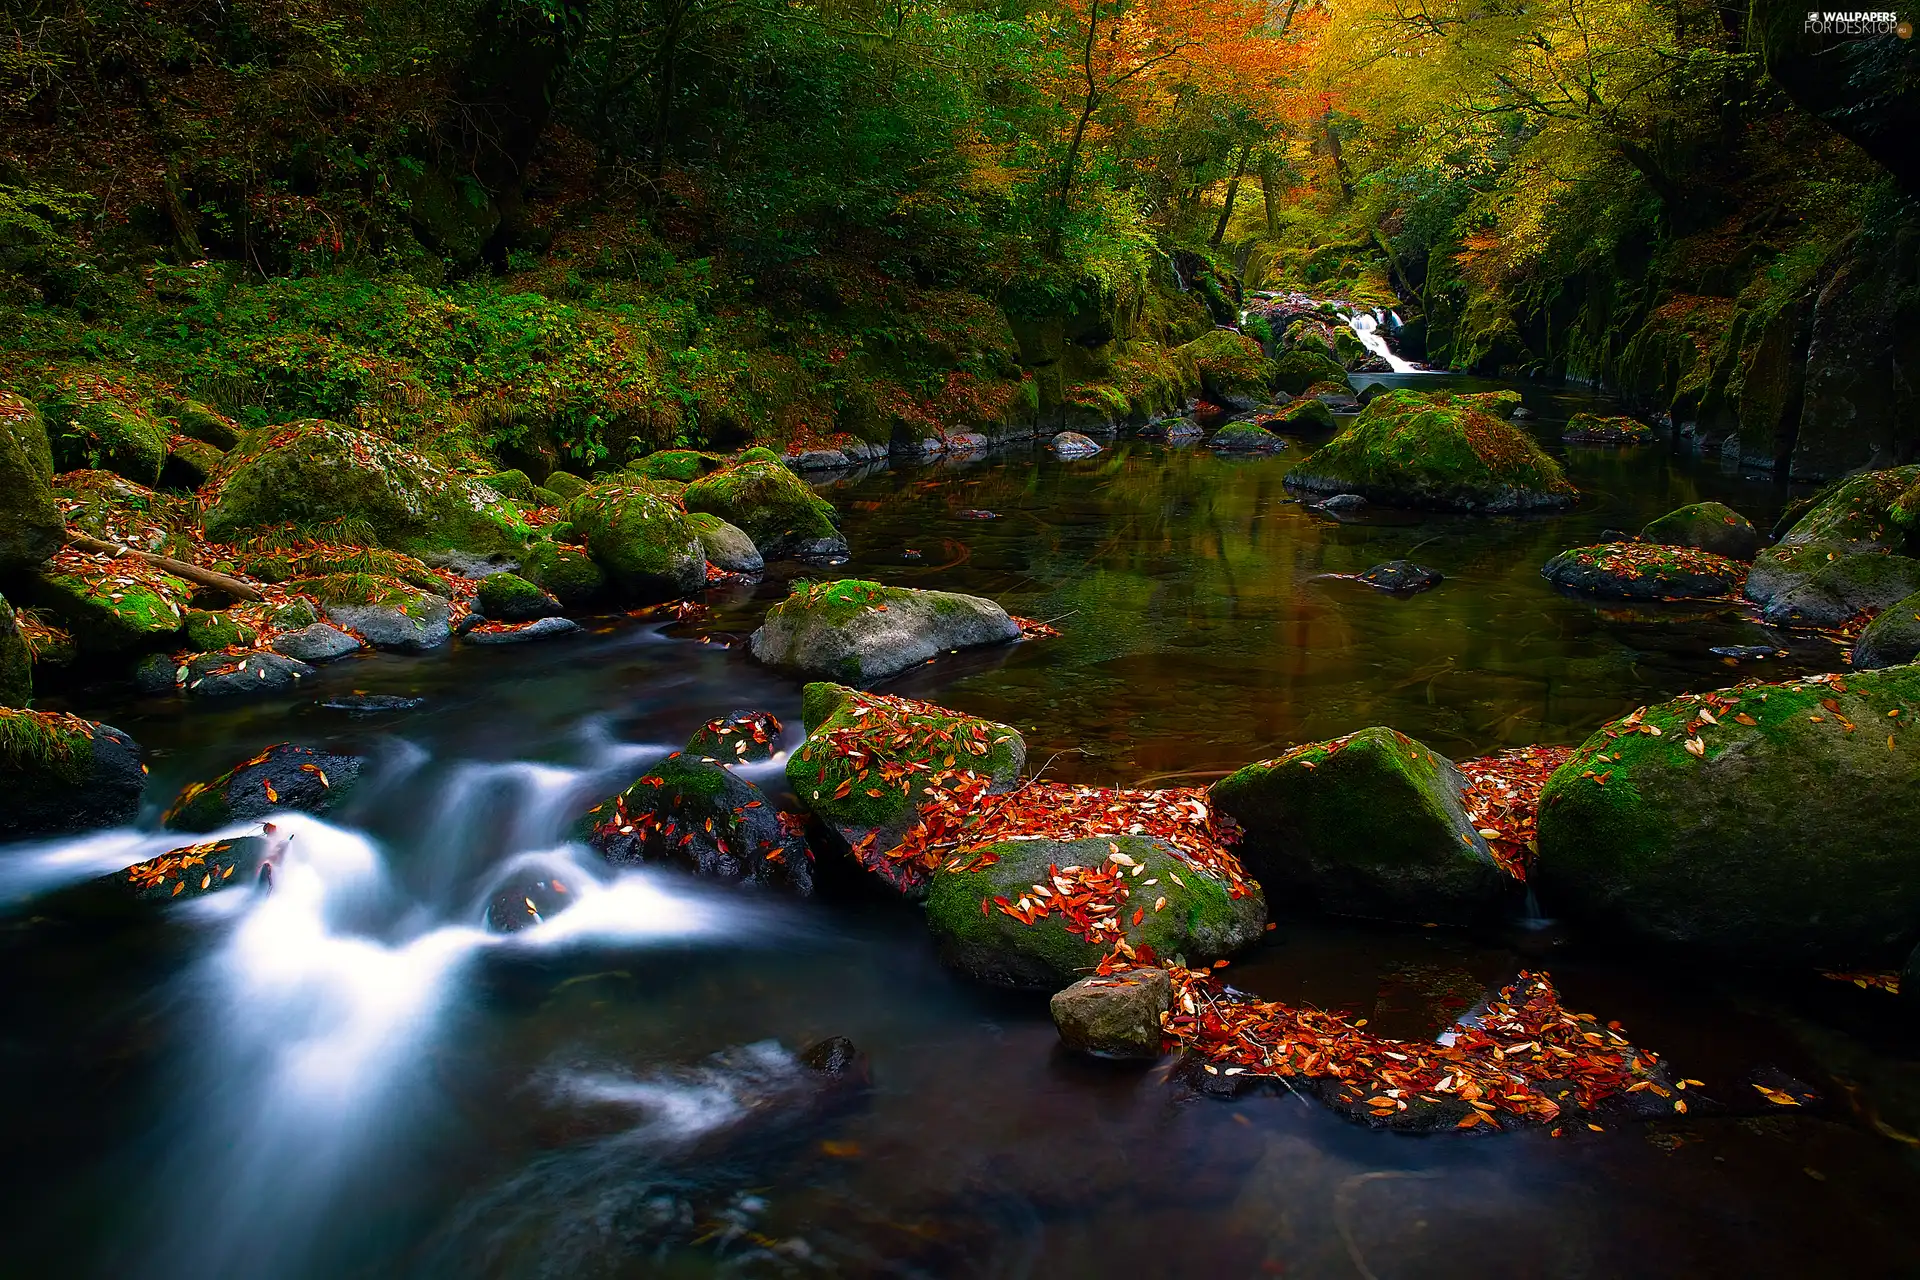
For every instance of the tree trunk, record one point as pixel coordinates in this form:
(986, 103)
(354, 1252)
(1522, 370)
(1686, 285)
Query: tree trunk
(1079, 128)
(1233, 189)
(1269, 178)
(1339, 160)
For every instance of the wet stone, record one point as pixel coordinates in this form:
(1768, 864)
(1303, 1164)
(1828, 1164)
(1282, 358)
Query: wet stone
(218, 675)
(1117, 1016)
(1071, 444)
(282, 777)
(318, 642)
(527, 903)
(505, 633)
(1401, 577)
(739, 737)
(367, 704)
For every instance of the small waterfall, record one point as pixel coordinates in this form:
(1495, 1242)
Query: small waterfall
(1366, 327)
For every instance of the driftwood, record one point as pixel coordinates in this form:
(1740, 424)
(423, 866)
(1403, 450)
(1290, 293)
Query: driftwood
(179, 568)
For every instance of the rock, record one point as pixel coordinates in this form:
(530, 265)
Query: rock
(776, 508)
(513, 483)
(116, 607)
(316, 643)
(1780, 831)
(1071, 444)
(1522, 414)
(1891, 639)
(96, 424)
(16, 661)
(1233, 370)
(317, 560)
(1710, 526)
(1245, 437)
(1401, 577)
(693, 813)
(30, 526)
(966, 442)
(61, 773)
(726, 547)
(682, 466)
(1117, 1016)
(855, 740)
(641, 538)
(281, 777)
(219, 675)
(1342, 502)
(508, 597)
(207, 632)
(1747, 652)
(115, 509)
(189, 463)
(861, 631)
(738, 737)
(1501, 404)
(1201, 921)
(192, 871)
(313, 471)
(1371, 824)
(370, 704)
(156, 673)
(564, 483)
(818, 460)
(385, 613)
(1854, 549)
(1587, 428)
(568, 574)
(1644, 571)
(1407, 449)
(836, 1056)
(526, 903)
(521, 632)
(1296, 370)
(1308, 416)
(196, 421)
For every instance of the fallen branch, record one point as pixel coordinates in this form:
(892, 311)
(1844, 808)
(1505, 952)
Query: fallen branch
(179, 568)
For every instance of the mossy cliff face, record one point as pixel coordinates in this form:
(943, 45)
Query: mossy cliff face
(640, 537)
(1771, 823)
(30, 526)
(1366, 825)
(1853, 551)
(312, 472)
(1184, 910)
(1407, 450)
(1710, 526)
(759, 495)
(854, 630)
(16, 661)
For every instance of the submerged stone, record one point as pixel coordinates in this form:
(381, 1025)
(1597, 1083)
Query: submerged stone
(1401, 577)
(1117, 1016)
(693, 813)
(855, 630)
(283, 776)
(1644, 571)
(1710, 526)
(367, 704)
(526, 903)
(192, 871)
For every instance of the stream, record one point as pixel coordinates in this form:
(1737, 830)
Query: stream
(350, 1077)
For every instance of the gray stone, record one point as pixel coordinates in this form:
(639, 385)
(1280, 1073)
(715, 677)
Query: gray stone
(818, 460)
(544, 629)
(422, 625)
(861, 631)
(1071, 444)
(316, 643)
(219, 675)
(1117, 1016)
(726, 546)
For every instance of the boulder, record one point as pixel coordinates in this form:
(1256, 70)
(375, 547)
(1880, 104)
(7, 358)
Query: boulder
(315, 643)
(872, 762)
(1854, 549)
(210, 631)
(1296, 370)
(853, 630)
(193, 871)
(385, 613)
(1710, 526)
(61, 773)
(281, 777)
(641, 538)
(1891, 639)
(115, 509)
(1644, 571)
(189, 463)
(313, 472)
(1587, 428)
(113, 606)
(513, 483)
(528, 902)
(521, 632)
(1410, 450)
(220, 675)
(1371, 824)
(319, 559)
(508, 597)
(1233, 370)
(1401, 577)
(726, 547)
(16, 661)
(1116, 1016)
(1245, 437)
(738, 737)
(776, 508)
(30, 526)
(1501, 404)
(818, 460)
(196, 421)
(693, 813)
(683, 466)
(99, 425)
(568, 574)
(1302, 416)
(1071, 444)
(1768, 823)
(565, 484)
(997, 918)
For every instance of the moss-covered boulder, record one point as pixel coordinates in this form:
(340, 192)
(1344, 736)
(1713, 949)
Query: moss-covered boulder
(386, 613)
(115, 509)
(1406, 450)
(1771, 823)
(1039, 914)
(116, 606)
(1234, 371)
(739, 737)
(283, 777)
(1644, 571)
(641, 538)
(508, 597)
(61, 773)
(776, 508)
(16, 661)
(30, 526)
(209, 631)
(683, 466)
(690, 812)
(1588, 428)
(320, 559)
(1303, 416)
(189, 463)
(512, 483)
(860, 631)
(872, 763)
(1892, 638)
(1501, 404)
(566, 484)
(98, 424)
(1710, 526)
(312, 472)
(196, 421)
(1297, 370)
(1371, 824)
(568, 574)
(1855, 550)
(1245, 437)
(725, 546)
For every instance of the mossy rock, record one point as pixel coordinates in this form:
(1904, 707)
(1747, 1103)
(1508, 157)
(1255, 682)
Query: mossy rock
(109, 609)
(1371, 824)
(511, 484)
(313, 472)
(189, 463)
(725, 546)
(115, 509)
(687, 811)
(1644, 571)
(1295, 371)
(1710, 526)
(208, 632)
(739, 737)
(1777, 831)
(858, 631)
(775, 507)
(1310, 416)
(1309, 334)
(193, 871)
(98, 425)
(1188, 913)
(61, 773)
(322, 559)
(508, 597)
(294, 615)
(1873, 518)
(196, 421)
(30, 526)
(1245, 437)
(1233, 369)
(1892, 638)
(568, 574)
(1348, 349)
(860, 743)
(1588, 428)
(16, 661)
(385, 612)
(283, 777)
(641, 538)
(1501, 404)
(1405, 450)
(566, 484)
(681, 465)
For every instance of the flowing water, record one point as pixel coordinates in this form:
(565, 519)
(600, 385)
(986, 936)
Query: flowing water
(349, 1077)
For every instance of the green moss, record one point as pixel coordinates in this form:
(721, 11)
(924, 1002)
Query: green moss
(566, 484)
(568, 574)
(96, 424)
(510, 484)
(1307, 413)
(294, 615)
(1870, 512)
(196, 421)
(819, 700)
(207, 632)
(118, 612)
(45, 741)
(321, 560)
(639, 536)
(1594, 429)
(510, 597)
(760, 496)
(1232, 366)
(681, 465)
(1711, 526)
(1296, 370)
(359, 589)
(16, 661)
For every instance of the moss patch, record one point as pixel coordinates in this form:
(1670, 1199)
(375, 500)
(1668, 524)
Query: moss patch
(640, 537)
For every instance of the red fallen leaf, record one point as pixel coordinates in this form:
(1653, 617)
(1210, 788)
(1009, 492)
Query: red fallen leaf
(1139, 915)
